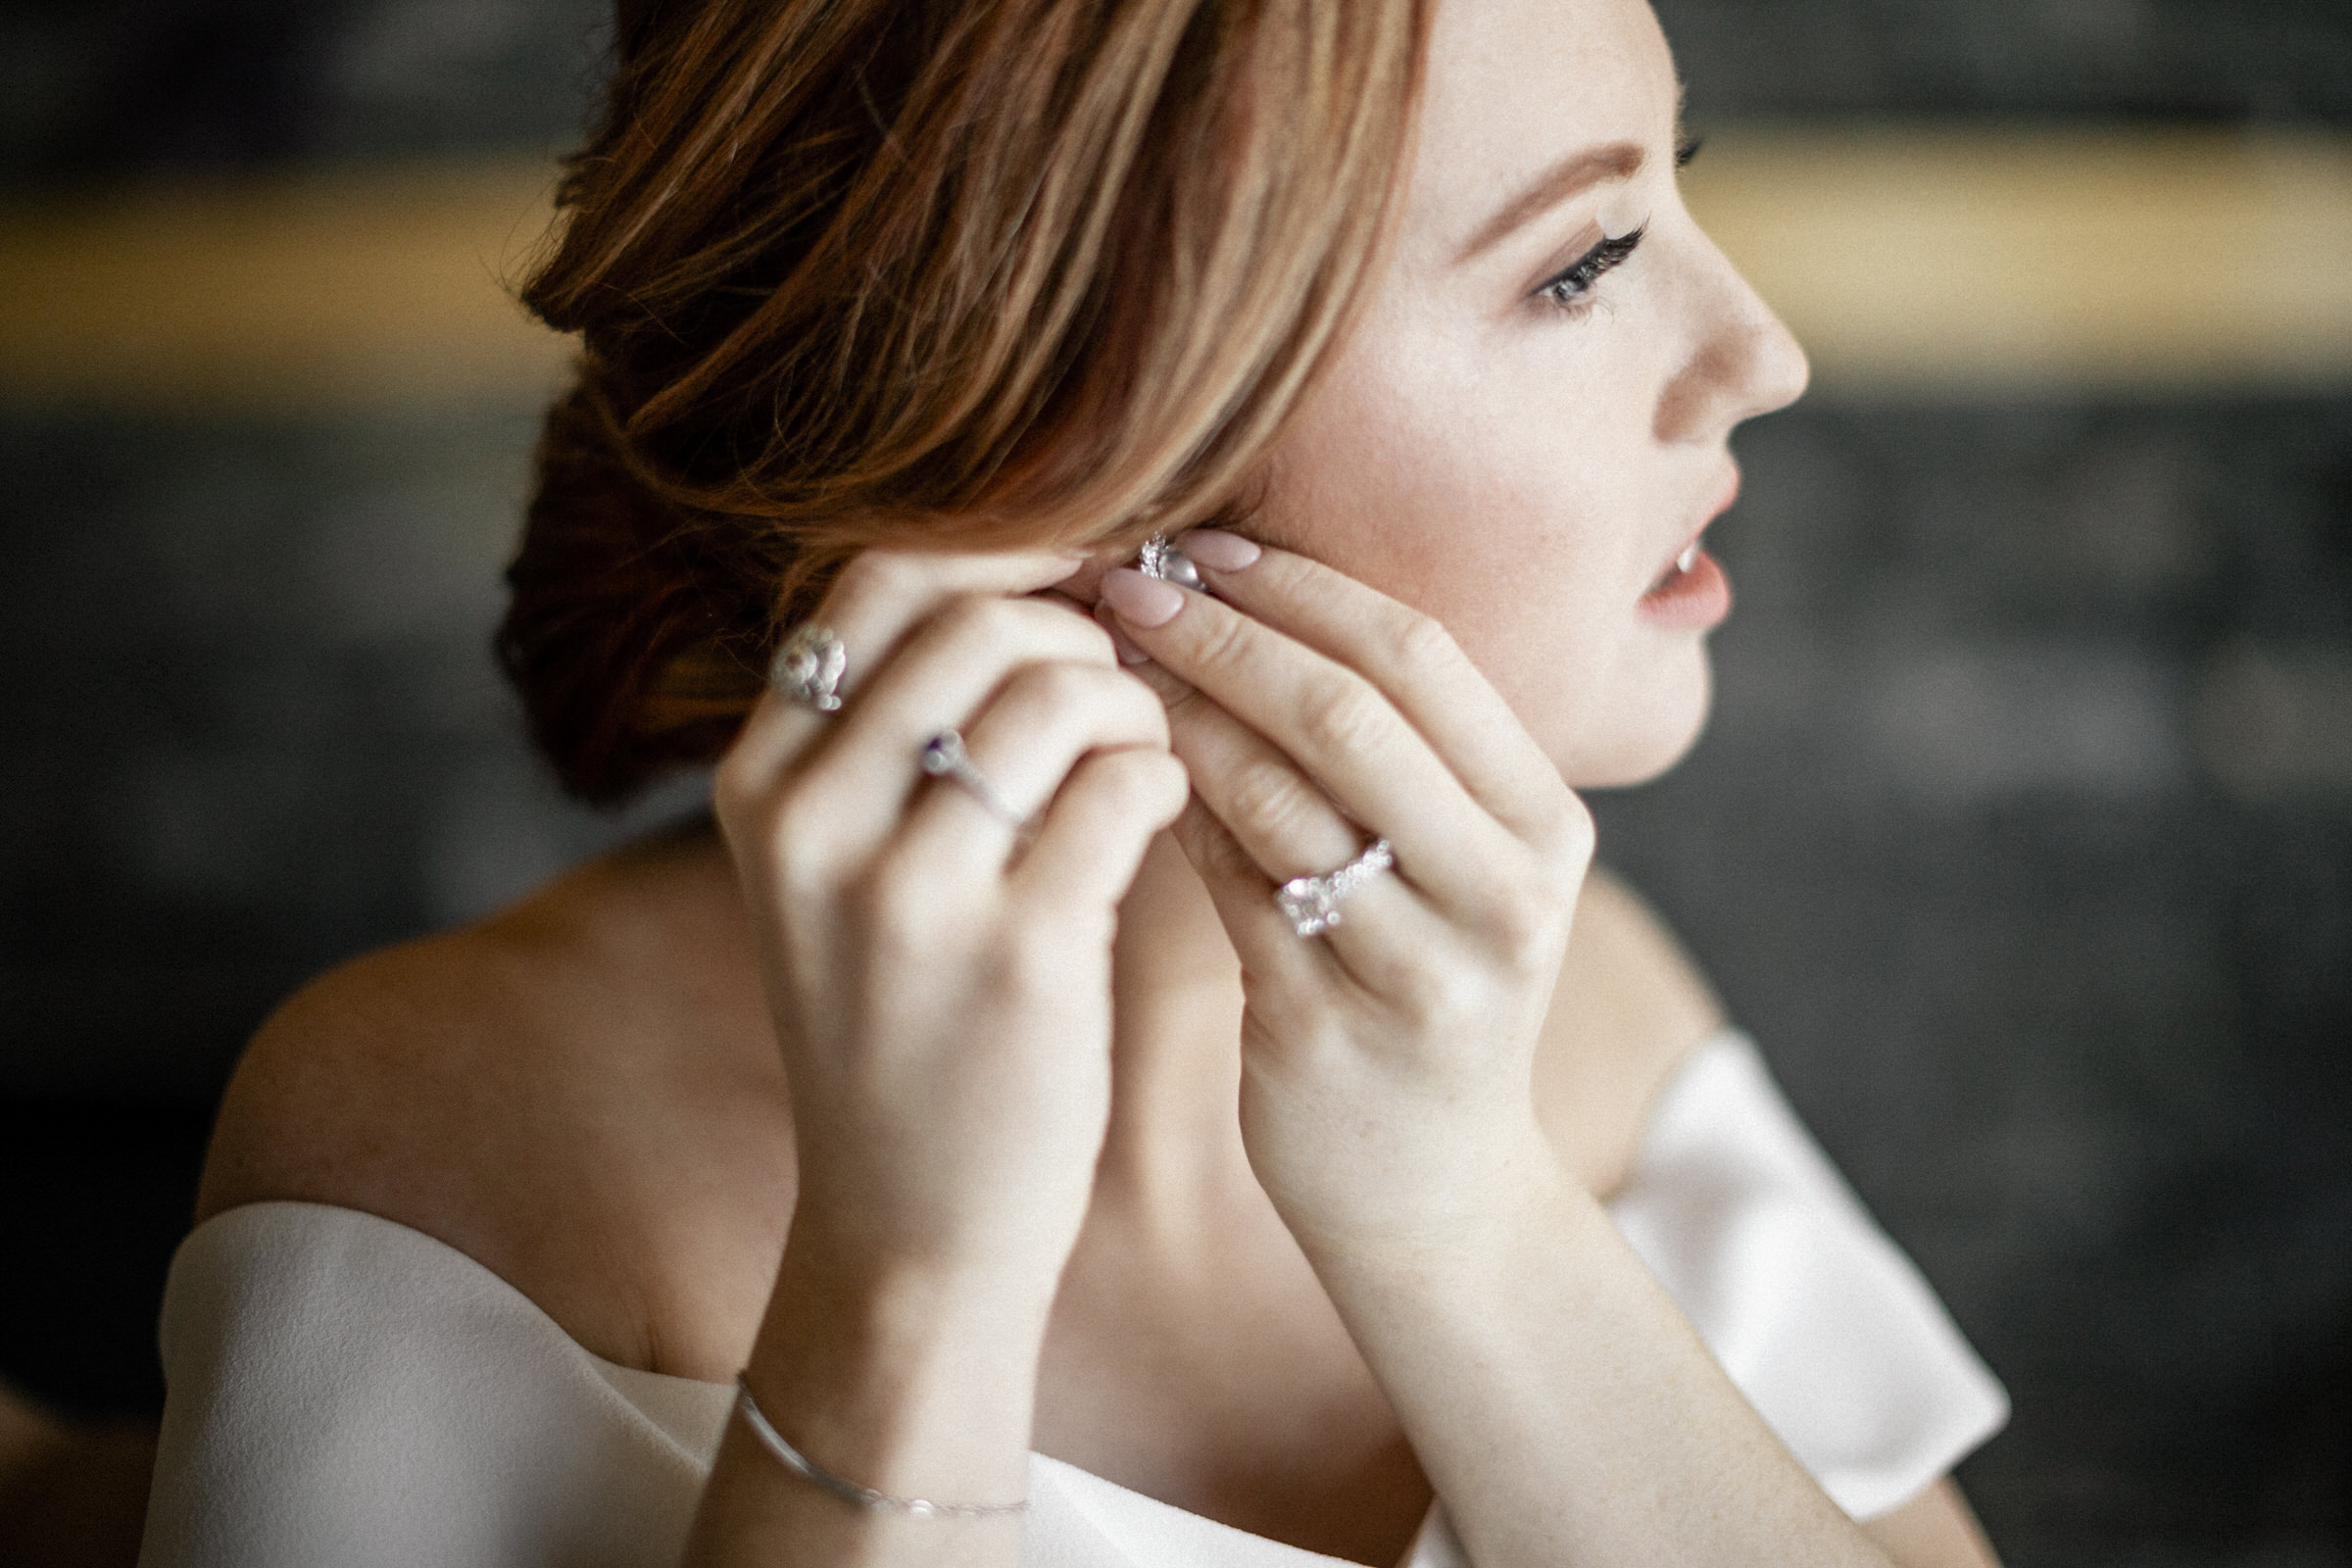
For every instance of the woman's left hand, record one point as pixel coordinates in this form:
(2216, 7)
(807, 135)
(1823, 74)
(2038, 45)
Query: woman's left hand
(1388, 1097)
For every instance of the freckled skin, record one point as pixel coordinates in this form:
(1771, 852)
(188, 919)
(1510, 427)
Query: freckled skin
(1521, 473)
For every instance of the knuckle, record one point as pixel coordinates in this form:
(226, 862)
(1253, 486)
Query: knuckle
(1437, 995)
(1124, 775)
(1094, 638)
(973, 618)
(877, 576)
(1224, 645)
(1170, 778)
(1571, 836)
(1524, 925)
(1345, 721)
(752, 815)
(1149, 782)
(1139, 713)
(1419, 642)
(1266, 802)
(795, 831)
(1122, 785)
(1053, 687)
(1526, 915)
(1556, 824)
(736, 788)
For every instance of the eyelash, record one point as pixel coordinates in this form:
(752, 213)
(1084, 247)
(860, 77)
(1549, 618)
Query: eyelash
(1571, 289)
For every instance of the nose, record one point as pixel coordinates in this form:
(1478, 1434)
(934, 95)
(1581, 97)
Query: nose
(1743, 362)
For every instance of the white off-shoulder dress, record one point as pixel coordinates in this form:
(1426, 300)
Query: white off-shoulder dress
(343, 1390)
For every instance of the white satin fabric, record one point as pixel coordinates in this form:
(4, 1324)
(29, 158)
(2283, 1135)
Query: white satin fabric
(346, 1390)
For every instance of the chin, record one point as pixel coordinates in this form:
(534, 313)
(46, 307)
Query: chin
(1645, 738)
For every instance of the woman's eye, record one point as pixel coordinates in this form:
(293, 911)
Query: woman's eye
(1571, 288)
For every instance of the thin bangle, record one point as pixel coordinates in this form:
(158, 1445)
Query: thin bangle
(850, 1491)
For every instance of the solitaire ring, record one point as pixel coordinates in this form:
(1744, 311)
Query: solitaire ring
(1311, 903)
(809, 665)
(944, 756)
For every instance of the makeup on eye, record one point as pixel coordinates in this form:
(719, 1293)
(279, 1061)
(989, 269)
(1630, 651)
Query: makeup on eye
(1571, 288)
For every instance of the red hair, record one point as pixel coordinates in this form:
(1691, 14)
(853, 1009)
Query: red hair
(960, 273)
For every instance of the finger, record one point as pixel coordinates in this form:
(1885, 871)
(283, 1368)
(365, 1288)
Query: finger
(879, 598)
(1330, 721)
(1411, 658)
(1043, 721)
(1280, 818)
(1275, 816)
(883, 594)
(1274, 957)
(1093, 837)
(862, 774)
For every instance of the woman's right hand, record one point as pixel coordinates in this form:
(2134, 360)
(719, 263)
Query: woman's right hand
(941, 982)
(940, 985)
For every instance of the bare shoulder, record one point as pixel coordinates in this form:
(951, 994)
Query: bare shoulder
(538, 1090)
(1630, 1007)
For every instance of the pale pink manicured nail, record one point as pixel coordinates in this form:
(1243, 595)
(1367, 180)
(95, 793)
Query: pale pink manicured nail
(1141, 601)
(1218, 550)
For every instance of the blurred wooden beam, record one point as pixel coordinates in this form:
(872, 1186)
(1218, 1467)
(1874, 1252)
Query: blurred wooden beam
(2018, 259)
(1911, 261)
(366, 289)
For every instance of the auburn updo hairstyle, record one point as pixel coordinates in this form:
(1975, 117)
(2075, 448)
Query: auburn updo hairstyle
(945, 274)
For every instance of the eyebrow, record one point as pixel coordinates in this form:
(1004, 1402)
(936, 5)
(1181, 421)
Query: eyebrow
(1571, 177)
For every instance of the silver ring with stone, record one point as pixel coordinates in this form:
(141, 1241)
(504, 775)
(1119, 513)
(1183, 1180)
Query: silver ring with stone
(1311, 903)
(1163, 559)
(809, 665)
(944, 756)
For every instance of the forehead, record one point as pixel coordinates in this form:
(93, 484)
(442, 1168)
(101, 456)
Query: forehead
(1514, 85)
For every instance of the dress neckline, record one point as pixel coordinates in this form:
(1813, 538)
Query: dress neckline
(691, 1412)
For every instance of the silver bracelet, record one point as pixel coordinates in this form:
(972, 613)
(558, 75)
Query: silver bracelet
(850, 1491)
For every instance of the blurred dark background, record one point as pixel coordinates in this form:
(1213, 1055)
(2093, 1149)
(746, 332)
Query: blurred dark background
(2022, 838)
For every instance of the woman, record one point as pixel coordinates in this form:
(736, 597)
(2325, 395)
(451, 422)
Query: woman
(910, 1092)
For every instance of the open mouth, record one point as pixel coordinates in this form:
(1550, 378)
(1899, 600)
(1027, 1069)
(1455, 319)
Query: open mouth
(1682, 568)
(1691, 594)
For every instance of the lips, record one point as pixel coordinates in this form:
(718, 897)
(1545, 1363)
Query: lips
(1692, 590)
(1680, 566)
(1691, 599)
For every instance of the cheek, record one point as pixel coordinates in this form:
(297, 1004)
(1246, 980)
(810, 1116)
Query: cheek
(1502, 514)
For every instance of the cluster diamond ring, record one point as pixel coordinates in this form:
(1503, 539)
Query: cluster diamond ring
(944, 756)
(809, 665)
(1163, 559)
(1311, 903)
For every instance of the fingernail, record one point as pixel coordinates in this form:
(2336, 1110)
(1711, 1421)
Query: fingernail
(1218, 550)
(1120, 643)
(1141, 601)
